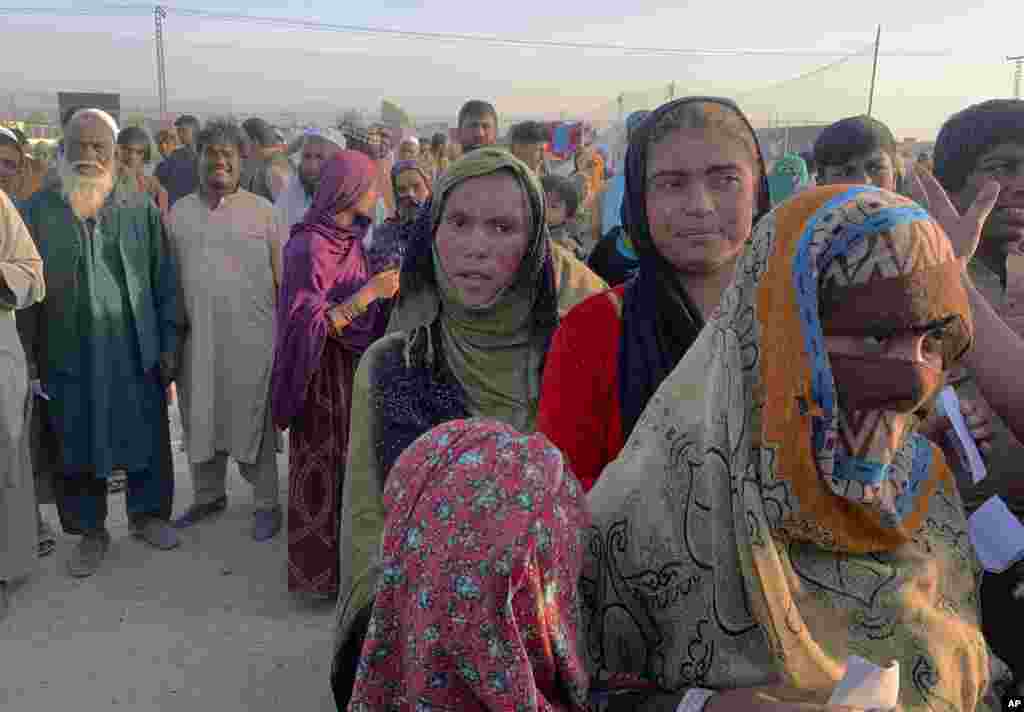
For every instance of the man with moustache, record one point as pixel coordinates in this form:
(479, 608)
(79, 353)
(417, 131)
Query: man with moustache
(227, 242)
(979, 145)
(103, 343)
(478, 125)
(318, 146)
(267, 169)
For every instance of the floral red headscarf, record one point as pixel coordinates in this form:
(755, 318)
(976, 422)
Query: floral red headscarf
(476, 605)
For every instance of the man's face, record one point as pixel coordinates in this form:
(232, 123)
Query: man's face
(411, 192)
(408, 151)
(185, 134)
(90, 147)
(220, 167)
(477, 131)
(1005, 165)
(168, 142)
(875, 168)
(314, 154)
(10, 164)
(532, 154)
(132, 157)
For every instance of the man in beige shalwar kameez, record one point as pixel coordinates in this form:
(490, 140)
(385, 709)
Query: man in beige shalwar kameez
(21, 286)
(227, 242)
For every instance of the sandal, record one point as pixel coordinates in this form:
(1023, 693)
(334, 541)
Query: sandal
(47, 539)
(116, 482)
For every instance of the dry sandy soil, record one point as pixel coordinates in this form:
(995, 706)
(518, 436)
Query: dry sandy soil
(209, 626)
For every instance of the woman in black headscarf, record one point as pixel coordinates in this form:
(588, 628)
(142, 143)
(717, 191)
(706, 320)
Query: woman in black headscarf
(695, 185)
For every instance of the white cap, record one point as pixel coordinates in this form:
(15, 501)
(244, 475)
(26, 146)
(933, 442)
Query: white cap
(329, 135)
(411, 139)
(99, 114)
(4, 131)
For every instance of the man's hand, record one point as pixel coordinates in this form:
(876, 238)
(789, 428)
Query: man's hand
(964, 231)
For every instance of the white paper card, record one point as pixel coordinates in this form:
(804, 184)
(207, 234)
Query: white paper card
(949, 405)
(997, 535)
(867, 686)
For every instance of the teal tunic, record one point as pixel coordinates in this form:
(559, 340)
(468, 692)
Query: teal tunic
(101, 336)
(107, 418)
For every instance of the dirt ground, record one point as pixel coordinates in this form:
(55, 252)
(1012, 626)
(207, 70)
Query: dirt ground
(209, 626)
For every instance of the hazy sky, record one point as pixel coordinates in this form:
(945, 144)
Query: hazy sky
(260, 68)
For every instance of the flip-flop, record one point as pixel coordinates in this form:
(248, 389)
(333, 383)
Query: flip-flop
(116, 482)
(47, 540)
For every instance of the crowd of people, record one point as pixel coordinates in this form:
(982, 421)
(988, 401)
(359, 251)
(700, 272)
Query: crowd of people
(659, 435)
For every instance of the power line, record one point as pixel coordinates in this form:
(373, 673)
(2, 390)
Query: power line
(453, 37)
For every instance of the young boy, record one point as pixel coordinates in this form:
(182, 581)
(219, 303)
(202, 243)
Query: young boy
(563, 200)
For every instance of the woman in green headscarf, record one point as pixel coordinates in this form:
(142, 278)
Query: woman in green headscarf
(481, 292)
(789, 176)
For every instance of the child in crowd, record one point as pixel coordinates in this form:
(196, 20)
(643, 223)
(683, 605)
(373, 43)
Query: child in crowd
(562, 200)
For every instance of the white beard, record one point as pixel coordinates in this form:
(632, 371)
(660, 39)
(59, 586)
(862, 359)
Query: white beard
(85, 194)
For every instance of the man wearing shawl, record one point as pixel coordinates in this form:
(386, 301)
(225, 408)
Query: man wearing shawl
(775, 512)
(482, 291)
(226, 241)
(459, 626)
(104, 342)
(318, 147)
(21, 286)
(328, 313)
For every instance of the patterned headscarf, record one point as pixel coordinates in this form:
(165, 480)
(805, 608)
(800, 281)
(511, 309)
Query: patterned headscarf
(726, 553)
(476, 606)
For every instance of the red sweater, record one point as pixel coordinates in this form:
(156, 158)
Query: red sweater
(579, 402)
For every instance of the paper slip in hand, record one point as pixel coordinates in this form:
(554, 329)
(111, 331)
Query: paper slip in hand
(949, 405)
(867, 686)
(996, 535)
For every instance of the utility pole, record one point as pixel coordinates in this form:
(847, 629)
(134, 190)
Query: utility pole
(622, 102)
(874, 70)
(1017, 74)
(159, 15)
(671, 91)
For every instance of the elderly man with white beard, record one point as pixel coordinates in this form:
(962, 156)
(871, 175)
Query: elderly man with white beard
(103, 344)
(318, 147)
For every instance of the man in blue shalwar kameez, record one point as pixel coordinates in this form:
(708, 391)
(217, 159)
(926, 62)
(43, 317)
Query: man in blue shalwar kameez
(104, 342)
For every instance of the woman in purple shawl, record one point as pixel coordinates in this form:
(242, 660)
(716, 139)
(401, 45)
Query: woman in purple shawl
(328, 314)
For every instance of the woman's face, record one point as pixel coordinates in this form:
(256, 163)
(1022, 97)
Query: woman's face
(701, 191)
(483, 235)
(875, 168)
(410, 193)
